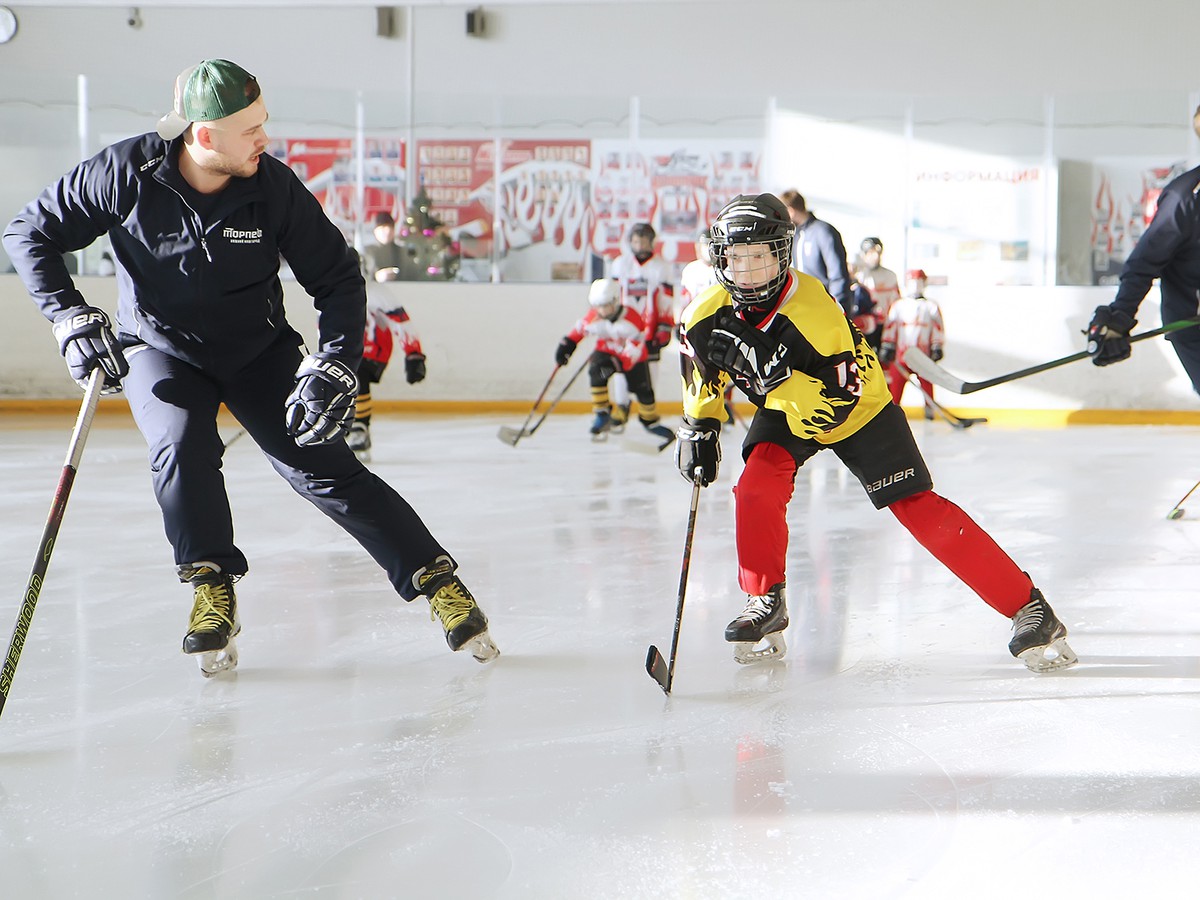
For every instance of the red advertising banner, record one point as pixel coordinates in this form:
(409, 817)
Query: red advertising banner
(329, 169)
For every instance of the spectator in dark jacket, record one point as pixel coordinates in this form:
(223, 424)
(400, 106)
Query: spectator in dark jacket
(198, 216)
(819, 251)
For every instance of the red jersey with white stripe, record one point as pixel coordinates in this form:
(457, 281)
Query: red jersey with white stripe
(384, 328)
(624, 338)
(648, 289)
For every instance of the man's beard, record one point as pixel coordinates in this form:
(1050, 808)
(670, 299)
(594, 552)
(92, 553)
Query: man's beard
(244, 169)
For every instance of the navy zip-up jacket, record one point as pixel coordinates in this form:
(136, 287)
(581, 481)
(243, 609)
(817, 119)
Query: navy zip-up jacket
(206, 292)
(1169, 249)
(818, 251)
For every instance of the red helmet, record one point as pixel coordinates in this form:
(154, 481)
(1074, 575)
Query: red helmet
(913, 274)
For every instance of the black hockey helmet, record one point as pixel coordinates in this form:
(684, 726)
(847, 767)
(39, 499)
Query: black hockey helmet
(760, 219)
(870, 243)
(643, 230)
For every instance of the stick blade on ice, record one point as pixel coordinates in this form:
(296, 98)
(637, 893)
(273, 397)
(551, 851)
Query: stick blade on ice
(510, 436)
(657, 667)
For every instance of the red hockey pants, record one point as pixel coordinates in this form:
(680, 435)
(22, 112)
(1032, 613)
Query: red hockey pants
(765, 488)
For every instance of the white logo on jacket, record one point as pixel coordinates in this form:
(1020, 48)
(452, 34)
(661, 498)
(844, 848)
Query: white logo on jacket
(241, 236)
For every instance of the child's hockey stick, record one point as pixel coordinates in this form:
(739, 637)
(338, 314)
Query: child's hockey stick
(660, 670)
(511, 435)
(1177, 510)
(922, 365)
(956, 421)
(58, 507)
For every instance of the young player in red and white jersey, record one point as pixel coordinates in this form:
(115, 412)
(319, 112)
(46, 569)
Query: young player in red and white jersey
(620, 350)
(647, 287)
(913, 321)
(882, 284)
(387, 325)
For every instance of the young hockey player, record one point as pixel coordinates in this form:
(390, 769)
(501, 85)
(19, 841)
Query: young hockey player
(780, 337)
(620, 349)
(883, 286)
(913, 321)
(384, 327)
(647, 287)
(698, 275)
(198, 216)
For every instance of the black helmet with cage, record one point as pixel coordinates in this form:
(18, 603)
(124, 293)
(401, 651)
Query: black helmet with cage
(760, 219)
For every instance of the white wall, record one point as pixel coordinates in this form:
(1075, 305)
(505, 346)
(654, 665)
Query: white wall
(490, 343)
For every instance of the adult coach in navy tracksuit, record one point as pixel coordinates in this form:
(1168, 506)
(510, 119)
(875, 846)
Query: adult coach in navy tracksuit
(819, 250)
(198, 216)
(1169, 250)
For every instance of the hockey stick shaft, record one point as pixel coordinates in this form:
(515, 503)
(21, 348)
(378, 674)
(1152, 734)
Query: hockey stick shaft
(922, 365)
(950, 417)
(653, 658)
(83, 425)
(561, 394)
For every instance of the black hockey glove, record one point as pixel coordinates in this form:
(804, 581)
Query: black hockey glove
(758, 363)
(698, 445)
(414, 367)
(321, 405)
(86, 341)
(1108, 336)
(562, 354)
(887, 353)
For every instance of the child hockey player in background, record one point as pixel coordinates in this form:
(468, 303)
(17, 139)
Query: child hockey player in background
(913, 321)
(697, 276)
(816, 383)
(386, 324)
(647, 287)
(883, 286)
(620, 349)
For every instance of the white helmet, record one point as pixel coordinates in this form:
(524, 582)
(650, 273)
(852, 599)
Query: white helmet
(605, 292)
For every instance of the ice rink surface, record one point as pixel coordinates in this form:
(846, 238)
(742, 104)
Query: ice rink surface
(898, 751)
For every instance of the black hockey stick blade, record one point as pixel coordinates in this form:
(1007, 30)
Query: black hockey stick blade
(922, 365)
(960, 422)
(656, 665)
(58, 508)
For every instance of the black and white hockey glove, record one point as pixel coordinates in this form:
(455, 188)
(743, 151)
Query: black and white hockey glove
(86, 341)
(698, 445)
(321, 405)
(414, 368)
(1108, 336)
(757, 362)
(562, 353)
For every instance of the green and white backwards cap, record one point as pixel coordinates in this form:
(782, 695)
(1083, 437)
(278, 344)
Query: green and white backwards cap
(205, 92)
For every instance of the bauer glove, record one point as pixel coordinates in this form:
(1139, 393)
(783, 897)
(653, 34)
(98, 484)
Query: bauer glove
(414, 368)
(321, 405)
(755, 360)
(86, 342)
(562, 353)
(698, 445)
(887, 353)
(1108, 336)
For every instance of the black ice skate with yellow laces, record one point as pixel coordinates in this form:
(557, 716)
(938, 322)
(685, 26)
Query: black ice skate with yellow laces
(1039, 639)
(214, 621)
(450, 601)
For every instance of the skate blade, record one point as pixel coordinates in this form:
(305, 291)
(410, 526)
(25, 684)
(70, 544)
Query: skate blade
(1053, 657)
(600, 437)
(482, 647)
(214, 662)
(772, 646)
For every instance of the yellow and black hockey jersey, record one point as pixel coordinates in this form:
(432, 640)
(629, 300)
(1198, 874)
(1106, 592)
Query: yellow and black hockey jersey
(836, 385)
